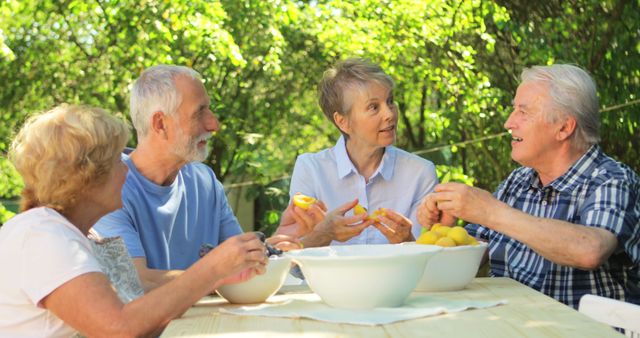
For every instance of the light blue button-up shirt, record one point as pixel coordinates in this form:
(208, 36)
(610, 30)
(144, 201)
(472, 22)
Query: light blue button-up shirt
(401, 181)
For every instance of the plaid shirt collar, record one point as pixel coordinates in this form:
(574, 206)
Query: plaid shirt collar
(579, 173)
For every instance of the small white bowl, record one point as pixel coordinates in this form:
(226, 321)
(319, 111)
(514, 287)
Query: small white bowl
(363, 276)
(260, 287)
(451, 269)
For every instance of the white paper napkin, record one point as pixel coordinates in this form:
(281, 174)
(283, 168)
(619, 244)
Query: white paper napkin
(416, 306)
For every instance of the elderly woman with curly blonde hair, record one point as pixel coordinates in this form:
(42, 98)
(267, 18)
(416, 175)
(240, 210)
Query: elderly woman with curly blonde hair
(52, 284)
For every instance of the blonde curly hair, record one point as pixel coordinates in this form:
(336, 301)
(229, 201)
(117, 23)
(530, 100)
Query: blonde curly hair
(63, 151)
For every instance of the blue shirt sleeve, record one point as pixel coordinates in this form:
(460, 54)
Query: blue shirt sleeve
(119, 223)
(614, 206)
(229, 225)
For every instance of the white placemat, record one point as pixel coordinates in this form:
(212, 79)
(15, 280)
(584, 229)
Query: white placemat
(416, 306)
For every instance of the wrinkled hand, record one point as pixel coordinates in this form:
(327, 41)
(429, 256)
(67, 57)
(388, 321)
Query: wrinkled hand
(297, 222)
(284, 242)
(239, 258)
(395, 227)
(243, 276)
(428, 213)
(337, 226)
(471, 204)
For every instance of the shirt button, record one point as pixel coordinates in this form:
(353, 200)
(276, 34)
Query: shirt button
(544, 202)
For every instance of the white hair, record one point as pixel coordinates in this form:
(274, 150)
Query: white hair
(155, 90)
(573, 93)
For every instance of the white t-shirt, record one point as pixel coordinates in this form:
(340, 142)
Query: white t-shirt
(39, 251)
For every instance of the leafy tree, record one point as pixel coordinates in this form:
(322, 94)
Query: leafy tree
(455, 64)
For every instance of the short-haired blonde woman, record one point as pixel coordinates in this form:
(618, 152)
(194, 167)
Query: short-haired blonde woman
(357, 96)
(51, 283)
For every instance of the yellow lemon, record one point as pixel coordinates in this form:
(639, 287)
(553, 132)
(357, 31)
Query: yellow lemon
(302, 201)
(459, 235)
(376, 214)
(446, 242)
(359, 210)
(428, 237)
(442, 230)
(435, 226)
(472, 240)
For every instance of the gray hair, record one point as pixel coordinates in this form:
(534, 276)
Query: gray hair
(573, 93)
(348, 73)
(155, 90)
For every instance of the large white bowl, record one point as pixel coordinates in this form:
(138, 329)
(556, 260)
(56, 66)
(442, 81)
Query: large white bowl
(260, 287)
(451, 269)
(363, 276)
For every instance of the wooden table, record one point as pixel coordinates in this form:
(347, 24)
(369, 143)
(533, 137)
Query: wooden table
(527, 314)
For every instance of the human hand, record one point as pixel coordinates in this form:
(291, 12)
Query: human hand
(394, 226)
(428, 213)
(337, 226)
(243, 276)
(284, 242)
(297, 222)
(471, 204)
(239, 258)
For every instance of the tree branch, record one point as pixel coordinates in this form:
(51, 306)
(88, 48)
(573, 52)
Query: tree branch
(614, 21)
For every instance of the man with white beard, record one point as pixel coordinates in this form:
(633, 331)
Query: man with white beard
(173, 204)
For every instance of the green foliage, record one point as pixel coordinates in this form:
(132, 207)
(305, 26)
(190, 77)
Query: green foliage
(10, 181)
(453, 174)
(455, 63)
(10, 186)
(4, 214)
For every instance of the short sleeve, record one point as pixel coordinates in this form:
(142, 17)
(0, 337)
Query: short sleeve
(229, 225)
(608, 207)
(52, 257)
(120, 224)
(614, 206)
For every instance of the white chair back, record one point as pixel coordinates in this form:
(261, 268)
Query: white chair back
(613, 312)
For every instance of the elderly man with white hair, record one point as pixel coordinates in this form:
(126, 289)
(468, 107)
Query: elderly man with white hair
(566, 223)
(173, 204)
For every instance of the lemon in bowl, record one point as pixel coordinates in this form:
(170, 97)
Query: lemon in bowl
(456, 265)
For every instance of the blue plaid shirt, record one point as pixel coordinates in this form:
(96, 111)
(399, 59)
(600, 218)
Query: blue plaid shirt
(596, 191)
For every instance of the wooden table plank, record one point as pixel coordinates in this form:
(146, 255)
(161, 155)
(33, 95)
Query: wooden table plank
(528, 313)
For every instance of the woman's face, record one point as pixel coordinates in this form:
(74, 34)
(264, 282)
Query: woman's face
(372, 120)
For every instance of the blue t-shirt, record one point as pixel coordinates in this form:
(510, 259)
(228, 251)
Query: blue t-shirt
(168, 224)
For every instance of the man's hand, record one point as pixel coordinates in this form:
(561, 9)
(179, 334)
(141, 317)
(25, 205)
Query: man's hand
(284, 242)
(337, 226)
(428, 213)
(297, 222)
(394, 226)
(471, 204)
(239, 258)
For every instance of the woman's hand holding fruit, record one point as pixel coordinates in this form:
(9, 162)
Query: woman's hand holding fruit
(301, 216)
